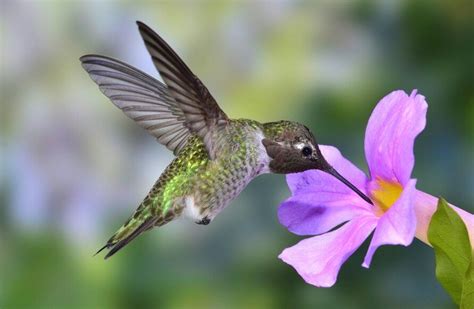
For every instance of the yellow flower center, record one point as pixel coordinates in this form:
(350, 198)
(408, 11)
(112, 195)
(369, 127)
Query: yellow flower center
(385, 194)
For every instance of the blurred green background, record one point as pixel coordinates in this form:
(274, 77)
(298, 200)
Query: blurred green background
(74, 168)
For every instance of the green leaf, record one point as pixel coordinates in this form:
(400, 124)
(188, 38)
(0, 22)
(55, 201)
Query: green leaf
(448, 235)
(467, 296)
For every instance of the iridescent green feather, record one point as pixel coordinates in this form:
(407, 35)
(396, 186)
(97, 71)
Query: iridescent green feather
(161, 204)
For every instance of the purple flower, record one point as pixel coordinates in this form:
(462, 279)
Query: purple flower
(320, 203)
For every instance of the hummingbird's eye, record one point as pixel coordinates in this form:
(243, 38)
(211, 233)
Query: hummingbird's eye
(306, 151)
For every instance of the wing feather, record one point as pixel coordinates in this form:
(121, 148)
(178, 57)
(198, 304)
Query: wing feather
(202, 113)
(170, 112)
(142, 98)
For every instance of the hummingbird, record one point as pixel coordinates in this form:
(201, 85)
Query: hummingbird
(215, 156)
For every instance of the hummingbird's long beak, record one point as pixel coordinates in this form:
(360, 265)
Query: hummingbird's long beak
(333, 172)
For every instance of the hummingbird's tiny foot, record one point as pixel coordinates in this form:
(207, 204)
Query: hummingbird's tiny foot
(204, 221)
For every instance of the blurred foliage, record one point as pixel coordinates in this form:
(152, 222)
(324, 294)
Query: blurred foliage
(74, 168)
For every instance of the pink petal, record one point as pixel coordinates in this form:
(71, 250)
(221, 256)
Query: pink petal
(319, 258)
(393, 126)
(315, 181)
(426, 205)
(398, 225)
(318, 212)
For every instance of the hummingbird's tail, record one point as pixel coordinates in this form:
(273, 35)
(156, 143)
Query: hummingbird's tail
(131, 229)
(147, 216)
(142, 220)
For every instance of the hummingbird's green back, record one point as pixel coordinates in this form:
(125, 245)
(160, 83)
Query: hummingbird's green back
(161, 201)
(199, 186)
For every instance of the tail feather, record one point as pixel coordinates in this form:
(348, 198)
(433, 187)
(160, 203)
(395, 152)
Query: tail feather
(101, 249)
(147, 215)
(125, 235)
(116, 246)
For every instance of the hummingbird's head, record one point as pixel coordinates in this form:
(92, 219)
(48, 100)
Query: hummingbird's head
(292, 148)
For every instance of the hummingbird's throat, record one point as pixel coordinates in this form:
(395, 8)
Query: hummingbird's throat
(385, 194)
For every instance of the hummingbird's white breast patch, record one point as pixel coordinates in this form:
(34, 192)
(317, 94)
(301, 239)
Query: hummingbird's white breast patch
(263, 158)
(190, 209)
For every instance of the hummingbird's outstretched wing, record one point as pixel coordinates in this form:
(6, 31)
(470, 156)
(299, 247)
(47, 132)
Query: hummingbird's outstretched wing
(141, 97)
(201, 111)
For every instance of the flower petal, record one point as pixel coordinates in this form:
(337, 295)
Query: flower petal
(426, 205)
(393, 126)
(319, 258)
(318, 212)
(319, 181)
(398, 225)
